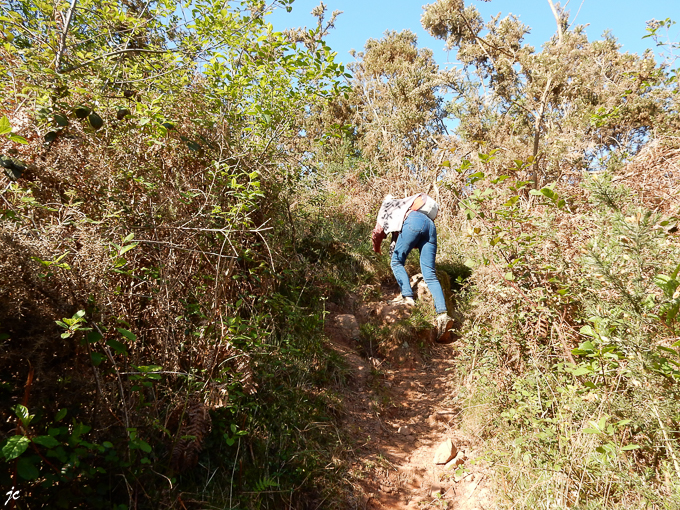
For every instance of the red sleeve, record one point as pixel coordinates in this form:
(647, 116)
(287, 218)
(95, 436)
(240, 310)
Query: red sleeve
(377, 236)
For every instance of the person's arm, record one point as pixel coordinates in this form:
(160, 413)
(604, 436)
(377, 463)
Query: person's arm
(377, 236)
(393, 244)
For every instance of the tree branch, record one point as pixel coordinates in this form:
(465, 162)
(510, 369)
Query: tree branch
(537, 129)
(557, 19)
(62, 42)
(112, 54)
(481, 40)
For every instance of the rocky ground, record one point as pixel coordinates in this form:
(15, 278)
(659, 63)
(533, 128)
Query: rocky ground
(402, 409)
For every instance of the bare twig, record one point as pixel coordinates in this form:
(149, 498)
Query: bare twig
(669, 446)
(557, 19)
(112, 54)
(64, 33)
(481, 40)
(120, 380)
(183, 248)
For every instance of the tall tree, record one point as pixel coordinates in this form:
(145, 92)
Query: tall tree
(562, 107)
(396, 104)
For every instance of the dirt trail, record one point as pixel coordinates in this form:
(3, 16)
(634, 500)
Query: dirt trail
(400, 417)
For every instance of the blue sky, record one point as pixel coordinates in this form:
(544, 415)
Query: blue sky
(364, 19)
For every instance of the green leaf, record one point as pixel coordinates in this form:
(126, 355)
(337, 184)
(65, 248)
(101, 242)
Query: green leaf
(591, 431)
(127, 248)
(95, 121)
(78, 430)
(47, 441)
(137, 443)
(117, 346)
(512, 201)
(668, 350)
(93, 336)
(61, 414)
(673, 309)
(477, 176)
(666, 283)
(97, 358)
(4, 125)
(587, 331)
(27, 470)
(21, 411)
(14, 173)
(149, 368)
(18, 139)
(549, 193)
(81, 112)
(127, 334)
(630, 447)
(582, 371)
(60, 120)
(15, 446)
(674, 274)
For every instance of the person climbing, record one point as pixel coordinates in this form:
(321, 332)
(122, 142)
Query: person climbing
(412, 217)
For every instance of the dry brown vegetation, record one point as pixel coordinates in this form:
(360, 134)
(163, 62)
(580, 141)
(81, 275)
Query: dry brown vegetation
(165, 264)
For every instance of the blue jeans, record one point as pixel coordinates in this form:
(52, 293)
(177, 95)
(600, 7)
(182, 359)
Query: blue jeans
(418, 232)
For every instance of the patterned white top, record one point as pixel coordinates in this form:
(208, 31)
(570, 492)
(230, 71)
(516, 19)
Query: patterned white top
(393, 211)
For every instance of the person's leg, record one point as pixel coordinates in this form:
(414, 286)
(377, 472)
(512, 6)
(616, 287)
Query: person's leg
(428, 254)
(408, 238)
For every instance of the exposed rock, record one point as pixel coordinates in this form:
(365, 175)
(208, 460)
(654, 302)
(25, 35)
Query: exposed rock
(437, 418)
(420, 289)
(369, 292)
(459, 459)
(343, 328)
(401, 348)
(405, 430)
(422, 292)
(385, 313)
(445, 452)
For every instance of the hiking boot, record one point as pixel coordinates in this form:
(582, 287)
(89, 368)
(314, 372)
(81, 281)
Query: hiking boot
(402, 300)
(444, 324)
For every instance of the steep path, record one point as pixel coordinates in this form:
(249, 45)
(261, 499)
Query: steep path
(401, 412)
